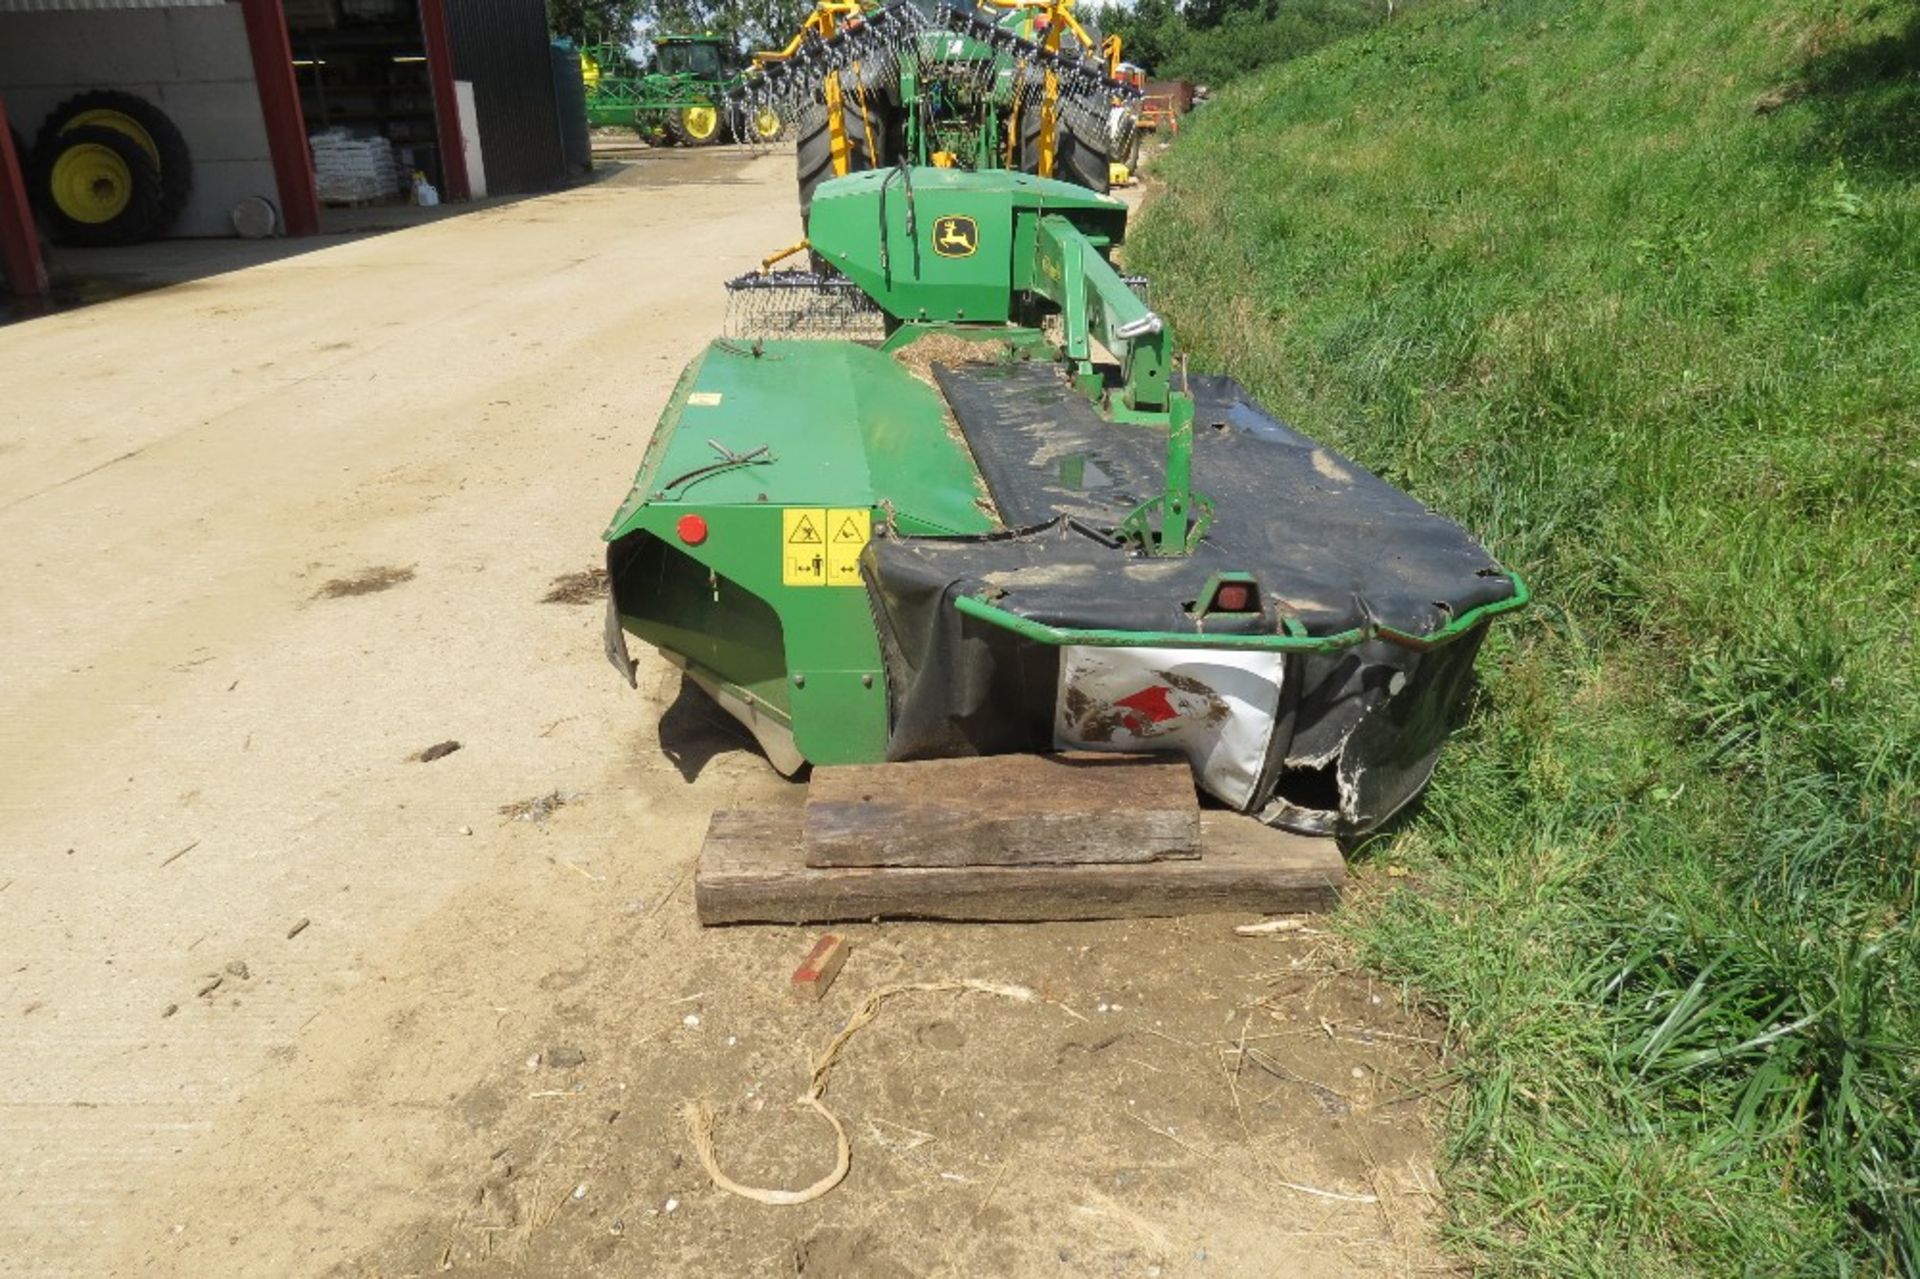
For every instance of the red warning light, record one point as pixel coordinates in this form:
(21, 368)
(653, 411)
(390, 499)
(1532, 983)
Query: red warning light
(1233, 597)
(692, 529)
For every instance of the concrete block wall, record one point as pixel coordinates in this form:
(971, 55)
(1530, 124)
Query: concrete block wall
(193, 63)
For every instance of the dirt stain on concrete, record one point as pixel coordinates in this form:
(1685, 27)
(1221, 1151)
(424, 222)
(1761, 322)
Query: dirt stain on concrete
(589, 587)
(366, 582)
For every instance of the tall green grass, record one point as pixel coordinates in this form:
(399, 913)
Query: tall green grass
(1631, 289)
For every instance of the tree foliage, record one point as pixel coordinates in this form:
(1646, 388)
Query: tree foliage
(750, 24)
(594, 21)
(1212, 41)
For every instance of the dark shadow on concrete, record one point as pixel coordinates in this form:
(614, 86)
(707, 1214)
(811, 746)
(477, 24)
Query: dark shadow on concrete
(82, 277)
(693, 732)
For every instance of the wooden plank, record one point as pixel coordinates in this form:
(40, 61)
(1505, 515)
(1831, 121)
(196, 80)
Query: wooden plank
(816, 972)
(1002, 810)
(752, 870)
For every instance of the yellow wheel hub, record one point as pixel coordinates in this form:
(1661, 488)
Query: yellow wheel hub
(700, 122)
(766, 125)
(119, 122)
(90, 183)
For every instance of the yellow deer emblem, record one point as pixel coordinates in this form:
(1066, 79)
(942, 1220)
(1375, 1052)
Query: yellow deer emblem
(955, 236)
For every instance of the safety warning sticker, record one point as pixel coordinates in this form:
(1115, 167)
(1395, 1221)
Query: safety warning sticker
(803, 547)
(847, 534)
(821, 547)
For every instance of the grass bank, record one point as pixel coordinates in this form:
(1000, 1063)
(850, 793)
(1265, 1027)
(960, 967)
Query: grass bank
(1633, 291)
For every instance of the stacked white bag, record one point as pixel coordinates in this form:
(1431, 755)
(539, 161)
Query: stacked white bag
(347, 169)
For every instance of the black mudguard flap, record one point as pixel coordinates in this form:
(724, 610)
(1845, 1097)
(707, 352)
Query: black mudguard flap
(1332, 546)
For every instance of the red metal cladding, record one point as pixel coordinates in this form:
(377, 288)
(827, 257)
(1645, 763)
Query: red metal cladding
(19, 240)
(446, 104)
(280, 108)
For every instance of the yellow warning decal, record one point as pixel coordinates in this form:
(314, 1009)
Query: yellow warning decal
(803, 546)
(847, 534)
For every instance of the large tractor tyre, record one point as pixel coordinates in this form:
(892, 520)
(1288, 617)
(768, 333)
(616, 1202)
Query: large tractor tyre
(140, 120)
(814, 151)
(97, 187)
(698, 126)
(1077, 158)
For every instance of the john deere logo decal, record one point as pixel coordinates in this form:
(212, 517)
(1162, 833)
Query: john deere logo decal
(955, 236)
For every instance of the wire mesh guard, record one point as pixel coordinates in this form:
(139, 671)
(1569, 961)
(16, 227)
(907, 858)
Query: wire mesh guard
(812, 304)
(801, 304)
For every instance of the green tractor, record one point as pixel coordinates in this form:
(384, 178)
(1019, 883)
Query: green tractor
(959, 496)
(681, 98)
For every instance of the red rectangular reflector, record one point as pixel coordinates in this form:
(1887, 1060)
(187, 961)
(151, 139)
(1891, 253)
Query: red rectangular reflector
(1233, 597)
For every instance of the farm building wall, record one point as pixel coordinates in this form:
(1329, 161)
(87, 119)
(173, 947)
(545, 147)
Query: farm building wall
(193, 63)
(503, 48)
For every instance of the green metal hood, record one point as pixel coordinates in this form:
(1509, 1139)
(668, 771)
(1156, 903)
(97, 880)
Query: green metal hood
(947, 244)
(809, 423)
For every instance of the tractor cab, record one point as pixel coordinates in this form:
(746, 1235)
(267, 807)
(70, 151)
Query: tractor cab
(701, 57)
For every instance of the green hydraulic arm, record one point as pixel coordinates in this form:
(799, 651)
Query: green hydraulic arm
(1071, 271)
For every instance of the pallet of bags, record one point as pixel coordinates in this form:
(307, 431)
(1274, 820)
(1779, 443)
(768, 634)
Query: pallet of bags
(353, 170)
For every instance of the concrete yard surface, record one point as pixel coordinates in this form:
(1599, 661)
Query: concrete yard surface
(281, 997)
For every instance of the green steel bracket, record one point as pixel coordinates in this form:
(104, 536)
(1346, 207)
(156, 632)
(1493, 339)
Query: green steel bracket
(987, 145)
(916, 148)
(1203, 602)
(1172, 523)
(1294, 640)
(1072, 272)
(1164, 527)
